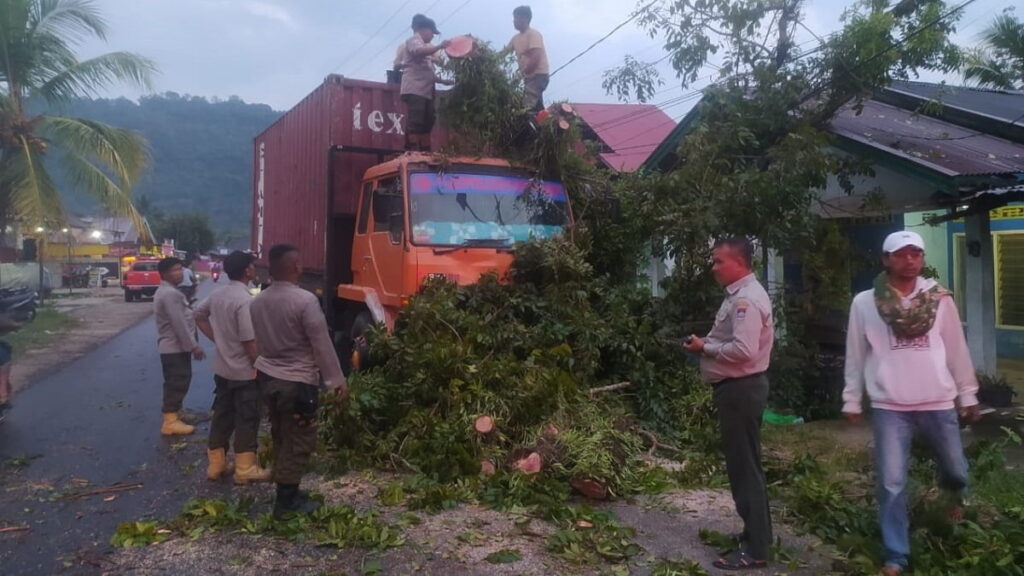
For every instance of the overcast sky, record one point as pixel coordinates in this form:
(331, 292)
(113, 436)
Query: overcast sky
(276, 51)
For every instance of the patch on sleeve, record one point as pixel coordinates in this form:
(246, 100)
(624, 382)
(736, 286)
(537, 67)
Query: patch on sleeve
(741, 312)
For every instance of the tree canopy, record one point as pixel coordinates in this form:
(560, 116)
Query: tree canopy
(38, 39)
(999, 61)
(201, 153)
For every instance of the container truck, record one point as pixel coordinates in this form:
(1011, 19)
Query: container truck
(373, 223)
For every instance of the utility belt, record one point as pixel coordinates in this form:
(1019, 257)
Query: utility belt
(307, 399)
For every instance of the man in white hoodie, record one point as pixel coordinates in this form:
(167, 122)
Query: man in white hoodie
(905, 343)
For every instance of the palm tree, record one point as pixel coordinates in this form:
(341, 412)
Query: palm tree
(999, 62)
(38, 63)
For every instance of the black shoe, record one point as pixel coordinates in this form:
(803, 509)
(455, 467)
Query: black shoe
(290, 502)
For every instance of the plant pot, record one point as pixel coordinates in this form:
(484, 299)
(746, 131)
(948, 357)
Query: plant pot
(996, 397)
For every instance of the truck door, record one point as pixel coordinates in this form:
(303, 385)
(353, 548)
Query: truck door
(383, 258)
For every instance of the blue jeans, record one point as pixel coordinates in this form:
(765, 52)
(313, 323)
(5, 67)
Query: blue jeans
(893, 434)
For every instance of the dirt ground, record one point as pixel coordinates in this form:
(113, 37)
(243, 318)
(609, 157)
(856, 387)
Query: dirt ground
(100, 314)
(458, 541)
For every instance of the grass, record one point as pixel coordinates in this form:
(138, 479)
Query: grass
(833, 443)
(49, 325)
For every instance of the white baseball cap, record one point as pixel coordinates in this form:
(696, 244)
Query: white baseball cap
(902, 239)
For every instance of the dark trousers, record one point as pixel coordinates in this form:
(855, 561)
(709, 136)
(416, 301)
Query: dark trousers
(236, 409)
(293, 431)
(533, 92)
(741, 403)
(177, 378)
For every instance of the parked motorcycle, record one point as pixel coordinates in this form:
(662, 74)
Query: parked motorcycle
(19, 304)
(76, 276)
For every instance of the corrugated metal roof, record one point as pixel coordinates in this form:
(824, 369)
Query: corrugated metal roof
(946, 148)
(1002, 104)
(631, 131)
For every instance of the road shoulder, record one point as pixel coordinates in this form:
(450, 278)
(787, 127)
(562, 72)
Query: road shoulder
(98, 314)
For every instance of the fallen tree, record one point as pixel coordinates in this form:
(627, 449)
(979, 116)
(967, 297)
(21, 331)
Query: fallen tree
(524, 377)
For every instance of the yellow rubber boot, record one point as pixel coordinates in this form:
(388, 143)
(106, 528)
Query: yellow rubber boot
(247, 469)
(175, 427)
(219, 465)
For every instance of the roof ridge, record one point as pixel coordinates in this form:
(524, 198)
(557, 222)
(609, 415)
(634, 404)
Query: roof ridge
(969, 88)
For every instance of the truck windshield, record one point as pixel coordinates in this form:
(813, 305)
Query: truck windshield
(452, 209)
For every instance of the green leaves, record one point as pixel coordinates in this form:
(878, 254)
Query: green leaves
(523, 353)
(131, 534)
(504, 557)
(37, 39)
(587, 536)
(999, 61)
(339, 526)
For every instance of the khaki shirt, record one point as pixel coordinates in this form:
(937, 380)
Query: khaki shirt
(175, 325)
(291, 334)
(525, 41)
(740, 343)
(227, 309)
(418, 76)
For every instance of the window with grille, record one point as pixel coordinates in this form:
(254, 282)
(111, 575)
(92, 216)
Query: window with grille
(1010, 280)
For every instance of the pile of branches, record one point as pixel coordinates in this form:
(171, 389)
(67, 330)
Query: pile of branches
(485, 116)
(552, 374)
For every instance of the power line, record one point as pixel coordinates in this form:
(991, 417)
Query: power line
(817, 91)
(456, 11)
(676, 101)
(389, 43)
(605, 37)
(372, 36)
(601, 70)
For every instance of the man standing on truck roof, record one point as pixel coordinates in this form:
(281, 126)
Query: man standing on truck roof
(528, 45)
(176, 329)
(224, 319)
(418, 79)
(296, 352)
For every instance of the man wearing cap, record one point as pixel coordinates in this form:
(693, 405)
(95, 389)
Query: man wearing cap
(528, 45)
(418, 79)
(906, 345)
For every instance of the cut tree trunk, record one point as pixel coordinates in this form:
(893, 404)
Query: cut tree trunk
(529, 465)
(483, 424)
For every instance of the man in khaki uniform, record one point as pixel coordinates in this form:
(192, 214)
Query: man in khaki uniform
(296, 352)
(418, 79)
(734, 360)
(224, 319)
(528, 45)
(176, 341)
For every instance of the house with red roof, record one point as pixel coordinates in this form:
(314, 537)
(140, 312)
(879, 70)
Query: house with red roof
(625, 134)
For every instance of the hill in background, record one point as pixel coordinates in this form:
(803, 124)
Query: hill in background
(201, 150)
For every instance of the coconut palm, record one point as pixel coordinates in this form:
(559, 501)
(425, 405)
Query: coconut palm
(38, 63)
(999, 62)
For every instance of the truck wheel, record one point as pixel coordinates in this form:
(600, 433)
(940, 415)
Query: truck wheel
(128, 296)
(360, 349)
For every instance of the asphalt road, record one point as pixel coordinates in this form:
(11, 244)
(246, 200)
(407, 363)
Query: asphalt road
(90, 425)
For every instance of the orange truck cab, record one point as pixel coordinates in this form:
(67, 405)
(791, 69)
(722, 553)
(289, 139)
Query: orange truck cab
(421, 217)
